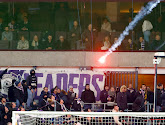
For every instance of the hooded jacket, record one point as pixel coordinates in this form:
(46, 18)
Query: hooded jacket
(88, 96)
(32, 80)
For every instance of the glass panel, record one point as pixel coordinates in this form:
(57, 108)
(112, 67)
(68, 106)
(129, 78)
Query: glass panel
(66, 26)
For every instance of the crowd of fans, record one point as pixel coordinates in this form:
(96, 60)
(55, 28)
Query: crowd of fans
(91, 38)
(22, 93)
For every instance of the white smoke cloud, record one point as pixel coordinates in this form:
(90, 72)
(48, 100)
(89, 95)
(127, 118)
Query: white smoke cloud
(143, 12)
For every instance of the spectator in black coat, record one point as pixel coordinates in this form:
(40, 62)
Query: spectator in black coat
(19, 93)
(44, 91)
(122, 98)
(89, 35)
(50, 45)
(104, 94)
(25, 87)
(159, 92)
(11, 92)
(5, 113)
(131, 94)
(44, 105)
(62, 44)
(25, 26)
(74, 35)
(139, 103)
(150, 95)
(32, 87)
(88, 96)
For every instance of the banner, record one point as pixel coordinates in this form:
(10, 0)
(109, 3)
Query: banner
(63, 79)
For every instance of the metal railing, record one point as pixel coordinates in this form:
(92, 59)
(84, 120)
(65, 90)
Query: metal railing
(105, 107)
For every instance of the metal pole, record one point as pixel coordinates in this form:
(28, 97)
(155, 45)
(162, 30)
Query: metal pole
(136, 79)
(155, 87)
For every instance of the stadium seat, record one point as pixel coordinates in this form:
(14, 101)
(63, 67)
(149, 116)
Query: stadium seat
(13, 44)
(4, 44)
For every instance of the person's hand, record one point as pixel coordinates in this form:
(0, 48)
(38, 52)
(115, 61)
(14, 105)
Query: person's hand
(52, 105)
(23, 104)
(94, 29)
(145, 102)
(49, 48)
(35, 89)
(73, 34)
(8, 67)
(109, 99)
(32, 90)
(86, 39)
(5, 117)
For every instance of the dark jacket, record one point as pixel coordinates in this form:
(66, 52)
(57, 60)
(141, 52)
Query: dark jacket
(155, 45)
(44, 105)
(131, 96)
(103, 96)
(71, 97)
(25, 25)
(50, 44)
(159, 97)
(122, 100)
(150, 96)
(138, 104)
(75, 31)
(25, 87)
(163, 99)
(62, 45)
(41, 96)
(11, 92)
(139, 45)
(19, 94)
(76, 106)
(88, 96)
(87, 34)
(32, 80)
(4, 121)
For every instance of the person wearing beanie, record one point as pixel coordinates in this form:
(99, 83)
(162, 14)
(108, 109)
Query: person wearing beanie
(19, 93)
(32, 87)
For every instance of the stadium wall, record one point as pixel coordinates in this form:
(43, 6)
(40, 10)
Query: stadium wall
(77, 58)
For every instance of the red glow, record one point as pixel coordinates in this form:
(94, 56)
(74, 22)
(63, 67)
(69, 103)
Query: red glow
(102, 59)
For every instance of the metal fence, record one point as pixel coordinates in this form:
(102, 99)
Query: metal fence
(105, 107)
(119, 78)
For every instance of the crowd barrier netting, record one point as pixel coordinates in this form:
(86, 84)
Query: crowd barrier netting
(87, 118)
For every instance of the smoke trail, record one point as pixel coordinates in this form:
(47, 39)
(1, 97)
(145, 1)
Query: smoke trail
(143, 12)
